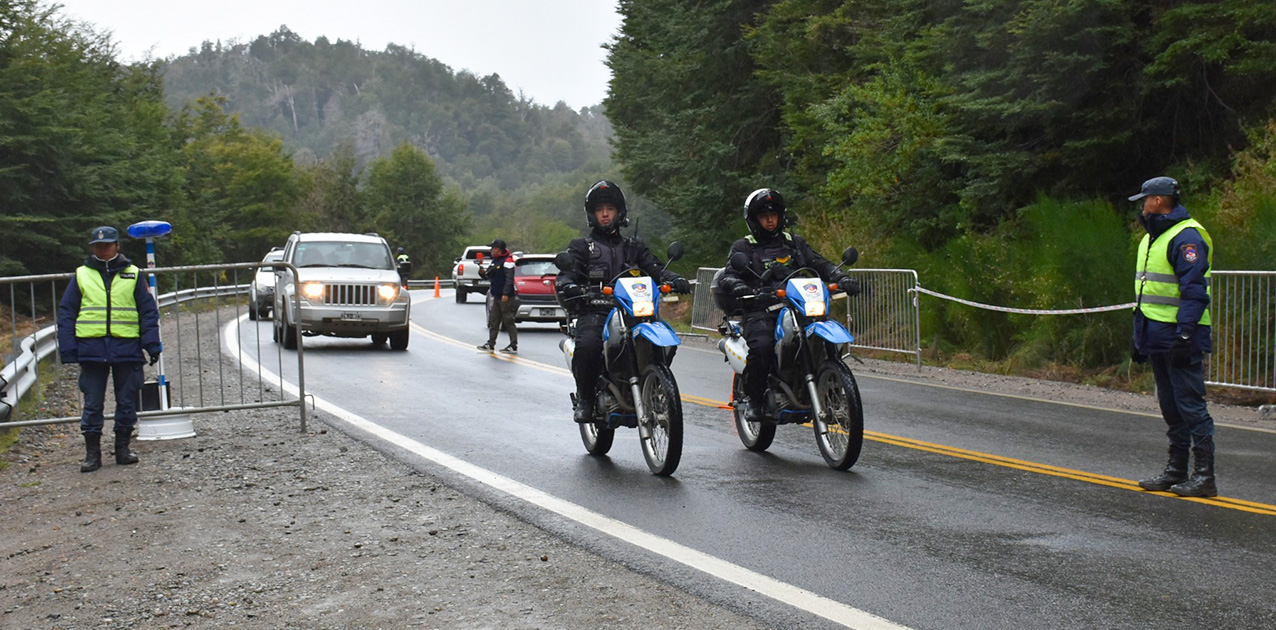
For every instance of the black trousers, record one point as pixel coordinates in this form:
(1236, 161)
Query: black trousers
(759, 333)
(587, 362)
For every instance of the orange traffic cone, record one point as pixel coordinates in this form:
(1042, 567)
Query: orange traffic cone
(436, 286)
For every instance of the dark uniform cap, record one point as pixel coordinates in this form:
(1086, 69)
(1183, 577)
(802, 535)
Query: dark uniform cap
(104, 234)
(1158, 186)
(498, 243)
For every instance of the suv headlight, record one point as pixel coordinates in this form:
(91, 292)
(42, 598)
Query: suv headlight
(312, 290)
(388, 292)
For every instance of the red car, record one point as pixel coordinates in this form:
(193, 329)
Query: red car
(534, 276)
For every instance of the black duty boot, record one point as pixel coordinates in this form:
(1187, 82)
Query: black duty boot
(752, 411)
(1202, 482)
(92, 452)
(584, 413)
(1175, 472)
(122, 455)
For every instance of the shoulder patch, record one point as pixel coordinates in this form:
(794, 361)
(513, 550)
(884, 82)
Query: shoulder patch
(1189, 251)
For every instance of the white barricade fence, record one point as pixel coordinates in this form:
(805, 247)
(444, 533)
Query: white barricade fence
(195, 301)
(886, 315)
(1243, 321)
(705, 314)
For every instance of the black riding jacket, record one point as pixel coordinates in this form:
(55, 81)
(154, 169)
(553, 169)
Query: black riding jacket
(601, 256)
(783, 250)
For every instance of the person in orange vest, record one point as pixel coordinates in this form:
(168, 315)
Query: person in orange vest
(1172, 329)
(106, 319)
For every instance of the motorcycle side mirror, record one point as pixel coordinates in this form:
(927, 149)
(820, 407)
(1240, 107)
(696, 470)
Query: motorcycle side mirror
(850, 256)
(676, 250)
(563, 261)
(739, 261)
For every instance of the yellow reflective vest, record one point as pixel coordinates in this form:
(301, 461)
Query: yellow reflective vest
(1156, 284)
(103, 313)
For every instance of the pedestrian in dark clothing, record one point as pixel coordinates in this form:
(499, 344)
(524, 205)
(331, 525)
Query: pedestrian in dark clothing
(596, 260)
(1172, 329)
(773, 255)
(502, 304)
(106, 319)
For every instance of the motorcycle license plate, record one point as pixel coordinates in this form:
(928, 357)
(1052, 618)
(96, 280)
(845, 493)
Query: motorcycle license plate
(351, 317)
(547, 312)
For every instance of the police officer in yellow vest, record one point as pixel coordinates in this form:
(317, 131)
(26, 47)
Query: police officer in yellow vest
(105, 320)
(1172, 329)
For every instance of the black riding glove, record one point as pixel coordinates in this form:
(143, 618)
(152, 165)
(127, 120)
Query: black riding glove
(741, 290)
(681, 285)
(571, 291)
(848, 284)
(1181, 352)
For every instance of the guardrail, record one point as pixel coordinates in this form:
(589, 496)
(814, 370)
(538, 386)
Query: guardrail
(179, 324)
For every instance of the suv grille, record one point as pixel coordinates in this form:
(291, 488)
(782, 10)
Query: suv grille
(350, 295)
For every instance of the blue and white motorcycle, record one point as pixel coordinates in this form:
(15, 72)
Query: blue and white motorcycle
(809, 382)
(636, 388)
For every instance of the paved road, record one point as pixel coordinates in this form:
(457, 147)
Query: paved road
(966, 509)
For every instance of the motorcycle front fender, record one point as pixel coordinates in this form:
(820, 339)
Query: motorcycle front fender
(658, 332)
(832, 332)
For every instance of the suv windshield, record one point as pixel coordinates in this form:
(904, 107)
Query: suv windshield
(536, 268)
(343, 254)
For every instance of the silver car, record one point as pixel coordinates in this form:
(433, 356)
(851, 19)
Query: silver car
(349, 287)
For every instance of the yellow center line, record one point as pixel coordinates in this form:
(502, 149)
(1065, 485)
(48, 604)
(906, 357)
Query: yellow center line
(940, 449)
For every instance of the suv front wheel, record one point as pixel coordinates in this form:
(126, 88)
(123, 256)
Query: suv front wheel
(399, 339)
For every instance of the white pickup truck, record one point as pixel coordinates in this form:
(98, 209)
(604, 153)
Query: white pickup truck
(465, 273)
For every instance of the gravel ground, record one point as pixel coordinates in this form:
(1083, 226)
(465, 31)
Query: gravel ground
(254, 524)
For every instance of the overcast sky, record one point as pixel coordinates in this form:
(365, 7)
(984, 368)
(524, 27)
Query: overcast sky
(549, 49)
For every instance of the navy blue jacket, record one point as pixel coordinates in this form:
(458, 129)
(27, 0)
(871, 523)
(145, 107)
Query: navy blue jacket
(1151, 336)
(74, 349)
(501, 277)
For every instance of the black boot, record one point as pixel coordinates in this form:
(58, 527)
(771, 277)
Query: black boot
(122, 455)
(584, 413)
(92, 452)
(752, 410)
(1202, 482)
(1175, 472)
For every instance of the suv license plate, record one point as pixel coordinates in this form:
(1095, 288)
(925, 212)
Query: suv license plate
(351, 317)
(548, 312)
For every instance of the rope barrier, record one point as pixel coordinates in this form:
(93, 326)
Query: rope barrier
(1025, 311)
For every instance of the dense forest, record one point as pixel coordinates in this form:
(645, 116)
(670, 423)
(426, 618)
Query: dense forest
(989, 144)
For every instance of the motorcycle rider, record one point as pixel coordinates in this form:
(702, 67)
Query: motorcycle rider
(773, 254)
(596, 260)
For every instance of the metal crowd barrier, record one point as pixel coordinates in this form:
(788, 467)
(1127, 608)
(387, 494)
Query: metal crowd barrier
(886, 315)
(705, 315)
(195, 294)
(1243, 314)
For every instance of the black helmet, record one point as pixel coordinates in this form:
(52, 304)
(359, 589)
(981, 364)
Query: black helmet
(759, 201)
(606, 192)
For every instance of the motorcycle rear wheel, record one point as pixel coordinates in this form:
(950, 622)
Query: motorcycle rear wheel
(597, 440)
(840, 433)
(756, 436)
(660, 429)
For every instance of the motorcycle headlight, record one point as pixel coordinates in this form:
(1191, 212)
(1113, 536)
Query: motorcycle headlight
(388, 292)
(312, 290)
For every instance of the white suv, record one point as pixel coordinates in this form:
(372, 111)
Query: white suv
(349, 288)
(465, 273)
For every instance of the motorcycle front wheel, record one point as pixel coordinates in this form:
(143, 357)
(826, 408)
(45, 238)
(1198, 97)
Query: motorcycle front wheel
(840, 433)
(661, 427)
(756, 436)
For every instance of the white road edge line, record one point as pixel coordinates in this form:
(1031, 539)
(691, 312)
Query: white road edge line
(780, 591)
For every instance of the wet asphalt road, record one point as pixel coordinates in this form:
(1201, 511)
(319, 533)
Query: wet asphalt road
(966, 509)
